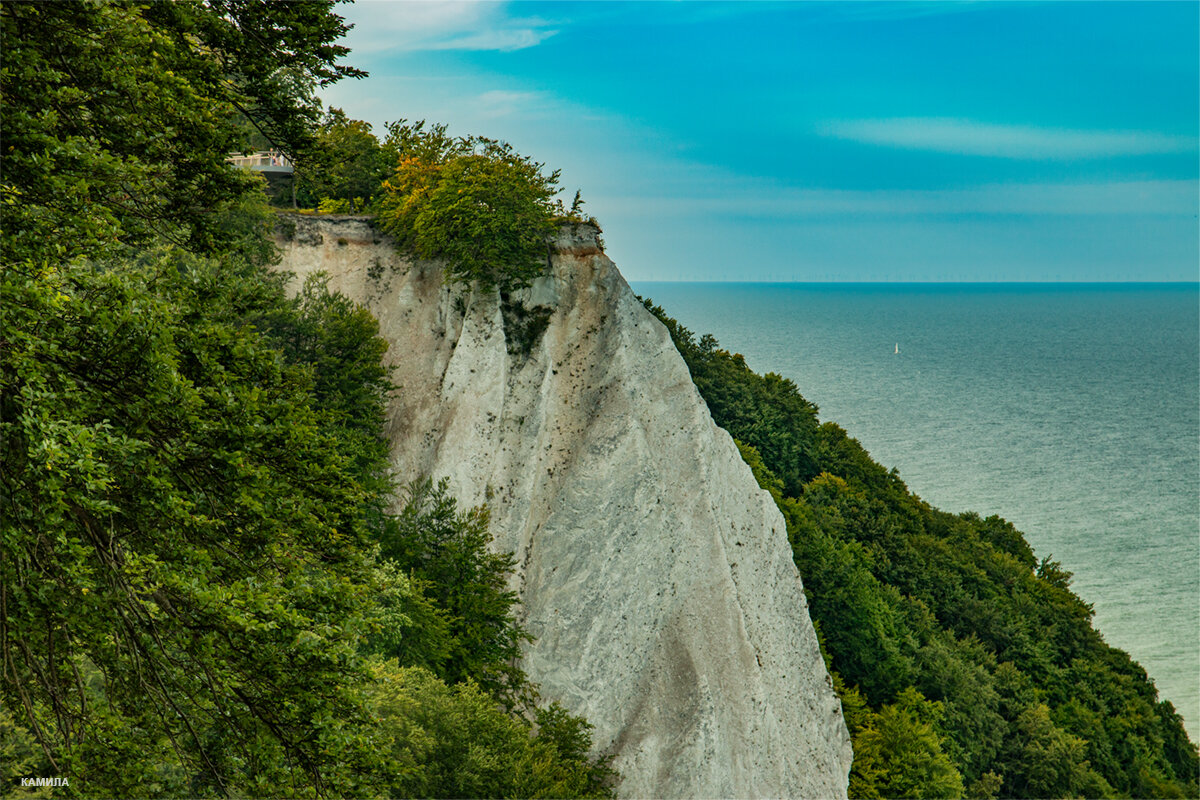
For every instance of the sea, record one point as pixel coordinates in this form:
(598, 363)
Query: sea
(1071, 410)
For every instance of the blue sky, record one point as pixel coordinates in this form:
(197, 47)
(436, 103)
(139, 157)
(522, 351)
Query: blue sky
(852, 141)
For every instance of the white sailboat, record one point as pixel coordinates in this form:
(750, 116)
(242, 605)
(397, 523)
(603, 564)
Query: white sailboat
(897, 348)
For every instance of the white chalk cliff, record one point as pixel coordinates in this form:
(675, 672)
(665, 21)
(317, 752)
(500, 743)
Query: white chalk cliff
(655, 574)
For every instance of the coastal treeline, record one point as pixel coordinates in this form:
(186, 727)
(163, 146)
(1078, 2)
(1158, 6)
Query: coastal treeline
(203, 591)
(966, 665)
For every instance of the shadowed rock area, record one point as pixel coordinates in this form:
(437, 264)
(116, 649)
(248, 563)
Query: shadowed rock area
(654, 573)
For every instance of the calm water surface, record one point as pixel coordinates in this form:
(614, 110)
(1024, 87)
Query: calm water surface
(1072, 410)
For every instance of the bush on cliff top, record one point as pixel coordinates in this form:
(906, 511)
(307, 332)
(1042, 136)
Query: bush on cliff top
(476, 203)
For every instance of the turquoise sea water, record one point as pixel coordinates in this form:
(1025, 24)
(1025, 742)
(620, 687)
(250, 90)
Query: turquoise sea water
(1072, 410)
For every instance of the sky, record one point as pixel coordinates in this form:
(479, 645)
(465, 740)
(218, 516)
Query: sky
(846, 141)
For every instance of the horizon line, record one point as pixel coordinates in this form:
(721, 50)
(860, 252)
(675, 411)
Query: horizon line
(934, 282)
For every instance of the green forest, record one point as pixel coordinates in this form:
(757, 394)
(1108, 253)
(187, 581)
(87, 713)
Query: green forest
(965, 665)
(202, 591)
(206, 588)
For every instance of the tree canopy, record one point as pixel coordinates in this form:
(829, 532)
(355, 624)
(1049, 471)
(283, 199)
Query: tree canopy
(118, 116)
(185, 574)
(474, 202)
(348, 168)
(194, 597)
(964, 663)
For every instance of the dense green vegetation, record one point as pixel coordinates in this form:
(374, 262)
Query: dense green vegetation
(476, 634)
(186, 555)
(202, 592)
(963, 662)
(473, 202)
(348, 169)
(118, 116)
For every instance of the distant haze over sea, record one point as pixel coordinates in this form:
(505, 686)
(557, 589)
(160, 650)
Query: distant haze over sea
(1072, 410)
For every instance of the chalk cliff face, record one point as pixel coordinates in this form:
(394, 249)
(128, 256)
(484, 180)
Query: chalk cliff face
(653, 571)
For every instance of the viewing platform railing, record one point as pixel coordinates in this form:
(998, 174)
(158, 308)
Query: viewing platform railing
(262, 161)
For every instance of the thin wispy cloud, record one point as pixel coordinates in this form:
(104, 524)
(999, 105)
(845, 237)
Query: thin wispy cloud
(1157, 198)
(748, 198)
(416, 25)
(506, 40)
(973, 138)
(502, 103)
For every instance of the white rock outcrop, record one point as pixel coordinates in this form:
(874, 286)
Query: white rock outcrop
(655, 574)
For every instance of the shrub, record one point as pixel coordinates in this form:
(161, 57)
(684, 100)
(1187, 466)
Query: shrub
(452, 741)
(898, 752)
(482, 207)
(340, 205)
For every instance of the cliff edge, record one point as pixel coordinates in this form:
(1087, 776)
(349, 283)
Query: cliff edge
(654, 573)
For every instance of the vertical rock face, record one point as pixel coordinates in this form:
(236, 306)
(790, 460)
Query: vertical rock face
(655, 574)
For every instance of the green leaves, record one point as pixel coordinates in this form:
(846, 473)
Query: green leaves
(1030, 701)
(446, 552)
(179, 521)
(475, 203)
(347, 169)
(454, 742)
(898, 752)
(119, 116)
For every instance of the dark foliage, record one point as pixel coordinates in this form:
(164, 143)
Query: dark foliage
(118, 117)
(446, 551)
(194, 478)
(185, 564)
(1030, 700)
(523, 326)
(346, 169)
